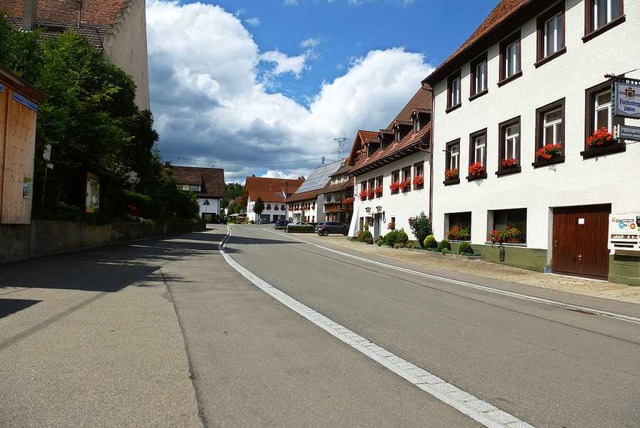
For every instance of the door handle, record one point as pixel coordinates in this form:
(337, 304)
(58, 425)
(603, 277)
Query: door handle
(579, 257)
(555, 242)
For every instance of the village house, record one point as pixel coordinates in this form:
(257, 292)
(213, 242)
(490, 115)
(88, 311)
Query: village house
(391, 170)
(273, 192)
(338, 196)
(117, 28)
(307, 203)
(206, 183)
(523, 148)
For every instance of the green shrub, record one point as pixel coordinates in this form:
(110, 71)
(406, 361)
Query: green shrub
(379, 241)
(399, 245)
(411, 244)
(359, 236)
(465, 249)
(366, 237)
(402, 237)
(444, 245)
(430, 243)
(391, 238)
(445, 251)
(300, 229)
(421, 227)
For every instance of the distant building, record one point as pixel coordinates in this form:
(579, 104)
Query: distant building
(307, 203)
(117, 28)
(274, 192)
(206, 183)
(338, 196)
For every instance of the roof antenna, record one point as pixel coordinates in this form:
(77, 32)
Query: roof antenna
(341, 141)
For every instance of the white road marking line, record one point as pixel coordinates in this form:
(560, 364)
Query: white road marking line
(569, 306)
(481, 411)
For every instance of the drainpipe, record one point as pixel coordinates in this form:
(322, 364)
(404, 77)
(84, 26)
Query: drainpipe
(30, 14)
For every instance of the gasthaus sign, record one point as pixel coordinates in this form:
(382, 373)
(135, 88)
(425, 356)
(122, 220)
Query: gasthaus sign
(626, 98)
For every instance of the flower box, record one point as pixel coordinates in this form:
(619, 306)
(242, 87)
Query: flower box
(347, 201)
(600, 137)
(395, 186)
(509, 163)
(378, 191)
(363, 195)
(418, 181)
(451, 174)
(370, 194)
(457, 233)
(509, 235)
(476, 169)
(404, 185)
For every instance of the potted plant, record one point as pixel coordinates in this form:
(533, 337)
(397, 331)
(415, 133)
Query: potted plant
(451, 174)
(347, 201)
(600, 137)
(391, 226)
(418, 181)
(394, 186)
(549, 151)
(370, 193)
(378, 191)
(363, 195)
(404, 185)
(509, 163)
(476, 169)
(457, 233)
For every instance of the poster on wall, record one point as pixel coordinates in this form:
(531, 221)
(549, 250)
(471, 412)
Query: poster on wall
(27, 188)
(92, 202)
(624, 233)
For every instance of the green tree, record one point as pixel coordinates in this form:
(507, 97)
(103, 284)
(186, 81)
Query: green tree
(421, 227)
(258, 206)
(231, 192)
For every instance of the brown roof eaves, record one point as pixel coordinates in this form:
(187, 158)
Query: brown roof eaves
(305, 196)
(507, 15)
(21, 86)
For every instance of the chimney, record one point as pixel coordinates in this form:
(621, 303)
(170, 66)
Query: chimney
(30, 14)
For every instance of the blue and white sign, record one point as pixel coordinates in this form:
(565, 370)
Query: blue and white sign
(25, 102)
(626, 98)
(1, 88)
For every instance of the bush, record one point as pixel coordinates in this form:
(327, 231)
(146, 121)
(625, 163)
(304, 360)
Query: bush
(444, 245)
(359, 236)
(391, 238)
(379, 241)
(421, 227)
(366, 237)
(399, 245)
(411, 244)
(300, 229)
(465, 249)
(430, 243)
(446, 251)
(402, 237)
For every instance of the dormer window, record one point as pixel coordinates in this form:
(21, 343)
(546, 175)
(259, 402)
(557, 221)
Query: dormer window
(416, 123)
(398, 137)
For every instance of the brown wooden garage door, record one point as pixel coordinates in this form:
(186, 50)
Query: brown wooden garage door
(580, 240)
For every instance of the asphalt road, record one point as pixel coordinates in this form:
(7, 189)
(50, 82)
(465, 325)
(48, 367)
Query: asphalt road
(546, 365)
(165, 333)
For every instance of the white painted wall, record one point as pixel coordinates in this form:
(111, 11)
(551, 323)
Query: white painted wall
(270, 212)
(402, 205)
(577, 181)
(313, 215)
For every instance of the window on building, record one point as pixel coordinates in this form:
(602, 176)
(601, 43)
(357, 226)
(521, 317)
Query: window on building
(599, 114)
(510, 65)
(514, 220)
(551, 33)
(406, 178)
(479, 81)
(458, 226)
(418, 175)
(379, 186)
(550, 133)
(478, 147)
(416, 123)
(454, 91)
(452, 161)
(509, 149)
(395, 180)
(603, 14)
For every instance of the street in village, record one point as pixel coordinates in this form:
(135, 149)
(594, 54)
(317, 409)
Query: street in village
(302, 330)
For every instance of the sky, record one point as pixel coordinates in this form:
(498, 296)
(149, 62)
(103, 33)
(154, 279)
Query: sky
(271, 87)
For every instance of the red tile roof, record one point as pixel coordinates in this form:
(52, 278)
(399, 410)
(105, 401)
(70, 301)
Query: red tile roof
(505, 10)
(211, 180)
(270, 189)
(94, 12)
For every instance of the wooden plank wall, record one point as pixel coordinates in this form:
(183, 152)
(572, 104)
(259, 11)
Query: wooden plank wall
(4, 95)
(18, 163)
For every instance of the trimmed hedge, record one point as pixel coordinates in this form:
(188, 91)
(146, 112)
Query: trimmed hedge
(300, 229)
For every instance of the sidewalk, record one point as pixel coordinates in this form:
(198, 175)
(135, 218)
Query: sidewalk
(575, 285)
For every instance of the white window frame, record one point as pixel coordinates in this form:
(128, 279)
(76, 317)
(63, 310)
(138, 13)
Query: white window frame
(512, 59)
(597, 108)
(554, 124)
(454, 156)
(481, 77)
(479, 148)
(556, 29)
(609, 6)
(456, 96)
(511, 141)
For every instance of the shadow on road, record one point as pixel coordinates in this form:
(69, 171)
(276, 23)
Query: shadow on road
(11, 306)
(108, 269)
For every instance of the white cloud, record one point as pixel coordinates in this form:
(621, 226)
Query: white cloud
(290, 2)
(254, 22)
(310, 43)
(284, 63)
(211, 107)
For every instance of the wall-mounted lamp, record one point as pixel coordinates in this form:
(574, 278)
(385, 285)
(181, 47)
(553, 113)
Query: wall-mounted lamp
(368, 209)
(379, 208)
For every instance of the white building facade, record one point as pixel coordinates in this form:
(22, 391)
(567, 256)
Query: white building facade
(513, 112)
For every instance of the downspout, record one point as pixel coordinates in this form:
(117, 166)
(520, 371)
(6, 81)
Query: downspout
(30, 15)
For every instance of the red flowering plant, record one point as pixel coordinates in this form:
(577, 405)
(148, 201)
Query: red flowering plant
(394, 186)
(451, 174)
(418, 181)
(457, 233)
(391, 226)
(509, 162)
(370, 193)
(601, 137)
(510, 234)
(476, 169)
(549, 151)
(363, 194)
(347, 201)
(404, 185)
(378, 191)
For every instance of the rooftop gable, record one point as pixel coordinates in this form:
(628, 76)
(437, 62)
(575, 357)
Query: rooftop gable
(270, 189)
(211, 180)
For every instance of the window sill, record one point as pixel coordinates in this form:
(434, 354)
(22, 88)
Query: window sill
(603, 151)
(477, 177)
(395, 192)
(478, 95)
(451, 181)
(455, 107)
(550, 57)
(508, 171)
(418, 188)
(545, 162)
(606, 27)
(509, 79)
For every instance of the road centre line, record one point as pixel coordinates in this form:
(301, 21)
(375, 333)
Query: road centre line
(584, 309)
(481, 411)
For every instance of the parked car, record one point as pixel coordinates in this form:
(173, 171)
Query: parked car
(299, 223)
(332, 227)
(282, 223)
